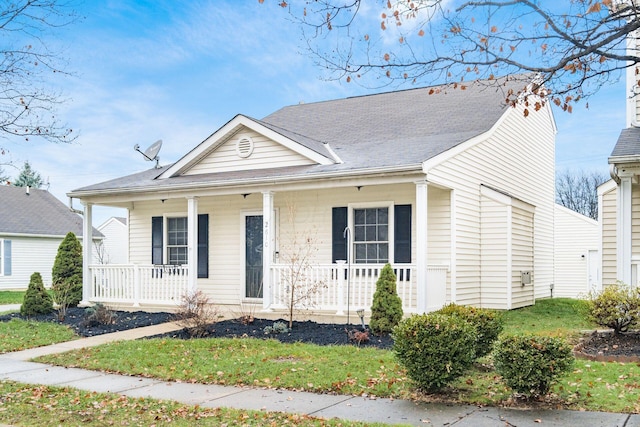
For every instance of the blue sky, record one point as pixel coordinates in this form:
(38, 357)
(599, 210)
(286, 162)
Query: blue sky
(177, 71)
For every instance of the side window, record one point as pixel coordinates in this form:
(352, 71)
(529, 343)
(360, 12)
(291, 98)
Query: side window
(5, 257)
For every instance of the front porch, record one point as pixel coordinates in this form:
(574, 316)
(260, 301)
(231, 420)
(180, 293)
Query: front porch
(331, 288)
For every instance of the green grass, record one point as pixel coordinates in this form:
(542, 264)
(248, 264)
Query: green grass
(19, 334)
(593, 386)
(11, 297)
(562, 317)
(29, 405)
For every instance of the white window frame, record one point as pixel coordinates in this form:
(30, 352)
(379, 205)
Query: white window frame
(391, 227)
(1, 257)
(165, 231)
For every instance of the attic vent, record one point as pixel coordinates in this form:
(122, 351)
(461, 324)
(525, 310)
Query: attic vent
(244, 146)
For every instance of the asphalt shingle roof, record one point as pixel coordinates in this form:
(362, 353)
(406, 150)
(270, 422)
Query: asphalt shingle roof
(389, 130)
(628, 143)
(38, 212)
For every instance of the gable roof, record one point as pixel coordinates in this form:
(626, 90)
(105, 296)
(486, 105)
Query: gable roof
(393, 131)
(627, 146)
(37, 212)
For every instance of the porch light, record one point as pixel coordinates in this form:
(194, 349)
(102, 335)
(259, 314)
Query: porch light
(361, 314)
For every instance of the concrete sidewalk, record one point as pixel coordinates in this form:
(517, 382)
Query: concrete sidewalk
(15, 367)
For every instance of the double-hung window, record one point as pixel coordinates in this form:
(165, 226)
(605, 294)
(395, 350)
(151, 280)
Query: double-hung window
(5, 257)
(177, 240)
(371, 235)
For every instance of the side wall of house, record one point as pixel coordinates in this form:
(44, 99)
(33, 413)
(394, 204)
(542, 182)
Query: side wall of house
(576, 235)
(30, 255)
(517, 159)
(522, 257)
(493, 254)
(312, 217)
(114, 244)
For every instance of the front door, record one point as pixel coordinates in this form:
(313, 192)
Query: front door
(253, 256)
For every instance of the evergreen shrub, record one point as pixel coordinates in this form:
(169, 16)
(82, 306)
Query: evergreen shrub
(36, 300)
(488, 324)
(386, 310)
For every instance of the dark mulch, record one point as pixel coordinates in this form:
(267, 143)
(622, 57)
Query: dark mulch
(306, 332)
(79, 320)
(610, 344)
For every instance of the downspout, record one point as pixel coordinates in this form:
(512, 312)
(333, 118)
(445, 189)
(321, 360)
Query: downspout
(72, 209)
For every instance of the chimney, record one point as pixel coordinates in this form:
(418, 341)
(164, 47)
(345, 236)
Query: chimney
(27, 189)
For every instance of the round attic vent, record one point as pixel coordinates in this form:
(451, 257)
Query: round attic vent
(244, 146)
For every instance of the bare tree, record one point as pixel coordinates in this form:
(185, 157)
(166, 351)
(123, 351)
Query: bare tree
(297, 254)
(578, 191)
(27, 61)
(574, 47)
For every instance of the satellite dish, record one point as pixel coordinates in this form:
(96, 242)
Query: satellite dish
(151, 153)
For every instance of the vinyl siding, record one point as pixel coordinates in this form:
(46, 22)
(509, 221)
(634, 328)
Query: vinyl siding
(522, 257)
(609, 238)
(518, 159)
(312, 218)
(494, 254)
(30, 255)
(576, 235)
(114, 243)
(266, 154)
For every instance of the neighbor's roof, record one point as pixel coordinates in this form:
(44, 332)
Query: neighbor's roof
(394, 130)
(37, 212)
(628, 144)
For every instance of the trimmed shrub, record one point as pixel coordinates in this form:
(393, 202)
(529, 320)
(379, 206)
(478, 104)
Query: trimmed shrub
(36, 300)
(616, 307)
(531, 364)
(66, 274)
(488, 324)
(386, 310)
(434, 349)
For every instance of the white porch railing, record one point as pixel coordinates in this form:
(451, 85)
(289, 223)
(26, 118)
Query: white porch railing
(135, 284)
(329, 287)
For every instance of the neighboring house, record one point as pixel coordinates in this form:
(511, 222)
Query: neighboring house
(577, 259)
(33, 223)
(113, 248)
(451, 186)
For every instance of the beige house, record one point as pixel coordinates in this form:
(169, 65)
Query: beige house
(451, 186)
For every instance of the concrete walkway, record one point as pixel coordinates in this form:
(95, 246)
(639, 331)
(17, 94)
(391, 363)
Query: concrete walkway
(16, 367)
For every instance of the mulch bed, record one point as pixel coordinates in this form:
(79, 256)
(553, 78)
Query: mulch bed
(608, 347)
(80, 321)
(306, 332)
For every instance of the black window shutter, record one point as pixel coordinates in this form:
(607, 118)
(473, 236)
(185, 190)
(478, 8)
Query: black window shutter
(203, 246)
(339, 243)
(156, 240)
(402, 233)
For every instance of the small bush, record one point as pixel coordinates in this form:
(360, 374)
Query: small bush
(616, 307)
(196, 313)
(531, 364)
(386, 310)
(277, 328)
(357, 336)
(488, 324)
(434, 349)
(99, 314)
(36, 300)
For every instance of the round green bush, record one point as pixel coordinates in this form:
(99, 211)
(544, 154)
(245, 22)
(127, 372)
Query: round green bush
(531, 364)
(386, 310)
(434, 349)
(487, 322)
(616, 307)
(36, 300)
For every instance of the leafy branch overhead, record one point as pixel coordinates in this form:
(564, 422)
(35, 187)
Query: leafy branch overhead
(574, 47)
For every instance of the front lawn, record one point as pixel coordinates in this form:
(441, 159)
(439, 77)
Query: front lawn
(351, 370)
(19, 334)
(11, 297)
(23, 404)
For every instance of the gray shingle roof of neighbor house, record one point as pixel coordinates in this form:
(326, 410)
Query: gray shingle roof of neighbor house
(37, 212)
(628, 143)
(390, 130)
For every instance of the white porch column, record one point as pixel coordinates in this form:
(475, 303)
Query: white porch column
(192, 243)
(624, 230)
(268, 243)
(87, 253)
(421, 245)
